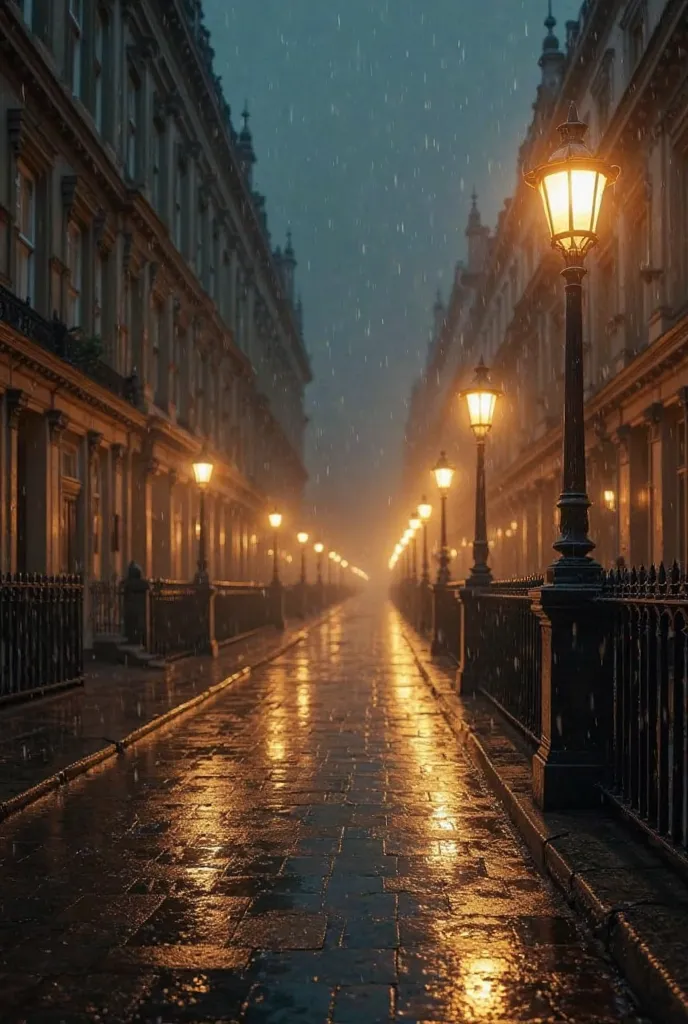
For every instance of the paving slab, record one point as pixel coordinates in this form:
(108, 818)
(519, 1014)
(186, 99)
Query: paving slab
(184, 882)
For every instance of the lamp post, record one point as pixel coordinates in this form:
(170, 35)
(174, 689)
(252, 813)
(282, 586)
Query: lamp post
(444, 474)
(414, 527)
(319, 548)
(302, 538)
(275, 520)
(481, 399)
(424, 513)
(203, 471)
(572, 758)
(572, 184)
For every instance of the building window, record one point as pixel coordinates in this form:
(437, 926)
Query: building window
(154, 337)
(98, 69)
(74, 241)
(178, 212)
(26, 235)
(75, 39)
(124, 326)
(131, 127)
(98, 279)
(26, 7)
(635, 37)
(158, 162)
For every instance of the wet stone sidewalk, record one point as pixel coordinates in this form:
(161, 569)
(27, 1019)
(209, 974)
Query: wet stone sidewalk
(41, 737)
(311, 846)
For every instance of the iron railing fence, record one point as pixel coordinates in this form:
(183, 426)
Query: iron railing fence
(41, 633)
(107, 607)
(646, 661)
(448, 624)
(507, 655)
(240, 608)
(177, 619)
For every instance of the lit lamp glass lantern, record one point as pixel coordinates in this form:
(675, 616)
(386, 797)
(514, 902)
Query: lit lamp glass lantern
(202, 471)
(571, 185)
(609, 498)
(481, 401)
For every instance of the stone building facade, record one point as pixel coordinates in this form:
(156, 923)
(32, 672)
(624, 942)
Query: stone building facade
(143, 311)
(624, 64)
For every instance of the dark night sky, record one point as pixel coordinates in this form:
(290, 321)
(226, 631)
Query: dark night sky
(372, 120)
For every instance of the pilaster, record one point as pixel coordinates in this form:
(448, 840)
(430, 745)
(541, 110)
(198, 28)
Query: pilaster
(13, 404)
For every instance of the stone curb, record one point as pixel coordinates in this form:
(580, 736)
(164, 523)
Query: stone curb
(77, 768)
(652, 985)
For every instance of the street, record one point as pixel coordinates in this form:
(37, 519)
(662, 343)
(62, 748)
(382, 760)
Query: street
(312, 845)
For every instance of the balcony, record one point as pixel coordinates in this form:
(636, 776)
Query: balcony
(69, 345)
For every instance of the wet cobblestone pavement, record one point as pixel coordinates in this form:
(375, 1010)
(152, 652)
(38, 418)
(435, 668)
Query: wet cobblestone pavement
(311, 846)
(42, 737)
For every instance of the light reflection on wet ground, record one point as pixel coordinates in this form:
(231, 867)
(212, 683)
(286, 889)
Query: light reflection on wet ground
(313, 847)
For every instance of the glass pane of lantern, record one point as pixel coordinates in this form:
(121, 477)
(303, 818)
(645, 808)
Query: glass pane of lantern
(481, 406)
(584, 199)
(555, 193)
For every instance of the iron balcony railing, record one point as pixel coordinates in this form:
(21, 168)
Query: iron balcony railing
(54, 336)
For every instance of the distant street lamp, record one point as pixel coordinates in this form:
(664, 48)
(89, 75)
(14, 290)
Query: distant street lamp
(275, 520)
(572, 185)
(424, 512)
(481, 399)
(203, 471)
(414, 527)
(444, 474)
(302, 538)
(319, 548)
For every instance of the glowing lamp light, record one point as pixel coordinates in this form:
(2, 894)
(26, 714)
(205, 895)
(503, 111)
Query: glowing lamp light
(302, 538)
(338, 559)
(424, 509)
(571, 185)
(405, 541)
(444, 473)
(414, 523)
(344, 563)
(609, 498)
(514, 525)
(203, 469)
(481, 399)
(275, 519)
(318, 548)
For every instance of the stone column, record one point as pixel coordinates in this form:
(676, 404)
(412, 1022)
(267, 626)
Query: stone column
(639, 473)
(662, 481)
(622, 439)
(115, 529)
(57, 424)
(145, 469)
(13, 403)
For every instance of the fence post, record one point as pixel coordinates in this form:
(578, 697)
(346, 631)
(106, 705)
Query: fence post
(205, 598)
(276, 599)
(574, 755)
(136, 607)
(471, 639)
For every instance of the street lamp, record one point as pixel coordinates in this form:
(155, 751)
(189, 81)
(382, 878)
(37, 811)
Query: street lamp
(444, 474)
(302, 538)
(424, 512)
(319, 548)
(481, 399)
(572, 185)
(203, 471)
(275, 520)
(414, 527)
